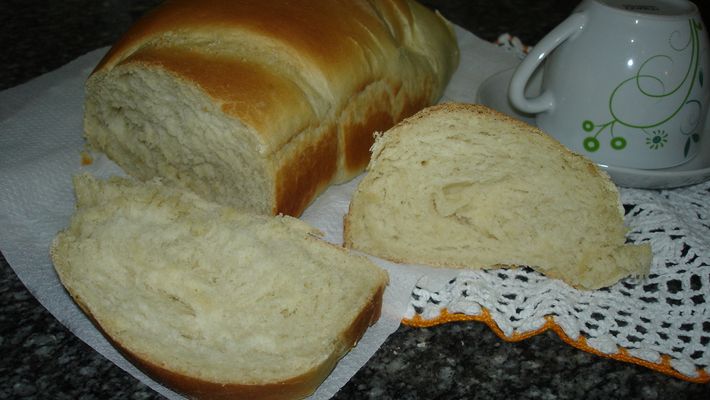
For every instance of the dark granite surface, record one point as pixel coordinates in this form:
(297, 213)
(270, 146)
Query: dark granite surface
(39, 358)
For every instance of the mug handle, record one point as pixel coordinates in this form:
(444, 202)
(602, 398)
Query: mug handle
(516, 91)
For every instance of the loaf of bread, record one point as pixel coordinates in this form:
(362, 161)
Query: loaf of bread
(464, 186)
(262, 104)
(210, 301)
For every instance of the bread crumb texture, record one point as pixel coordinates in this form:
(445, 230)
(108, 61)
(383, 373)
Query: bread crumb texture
(465, 186)
(208, 292)
(225, 98)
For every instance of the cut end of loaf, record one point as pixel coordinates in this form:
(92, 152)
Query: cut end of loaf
(211, 301)
(464, 186)
(246, 104)
(154, 124)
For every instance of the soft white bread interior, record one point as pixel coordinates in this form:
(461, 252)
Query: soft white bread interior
(263, 104)
(210, 301)
(464, 186)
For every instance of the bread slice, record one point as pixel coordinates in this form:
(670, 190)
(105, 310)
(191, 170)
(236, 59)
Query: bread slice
(209, 301)
(465, 186)
(263, 104)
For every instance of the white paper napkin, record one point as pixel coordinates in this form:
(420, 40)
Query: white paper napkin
(40, 145)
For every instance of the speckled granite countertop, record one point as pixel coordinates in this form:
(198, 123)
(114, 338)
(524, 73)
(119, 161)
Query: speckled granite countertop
(39, 358)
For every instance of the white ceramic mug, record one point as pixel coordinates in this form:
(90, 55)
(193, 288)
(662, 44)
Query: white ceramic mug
(624, 82)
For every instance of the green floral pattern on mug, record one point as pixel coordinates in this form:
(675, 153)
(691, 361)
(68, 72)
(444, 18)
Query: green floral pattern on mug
(656, 138)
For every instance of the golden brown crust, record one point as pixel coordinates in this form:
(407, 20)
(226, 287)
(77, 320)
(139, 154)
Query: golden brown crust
(299, 24)
(269, 64)
(338, 61)
(306, 174)
(359, 137)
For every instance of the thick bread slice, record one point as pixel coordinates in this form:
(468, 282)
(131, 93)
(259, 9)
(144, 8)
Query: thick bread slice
(261, 104)
(209, 301)
(464, 186)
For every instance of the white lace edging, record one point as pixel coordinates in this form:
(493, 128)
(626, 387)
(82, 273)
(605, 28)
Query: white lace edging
(666, 313)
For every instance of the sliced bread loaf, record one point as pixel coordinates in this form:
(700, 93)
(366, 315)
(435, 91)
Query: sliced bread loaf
(209, 301)
(263, 104)
(465, 186)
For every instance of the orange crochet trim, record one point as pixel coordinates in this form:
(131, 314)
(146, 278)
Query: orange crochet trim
(86, 158)
(663, 366)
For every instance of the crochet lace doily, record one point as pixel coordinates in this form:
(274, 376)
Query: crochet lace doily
(661, 322)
